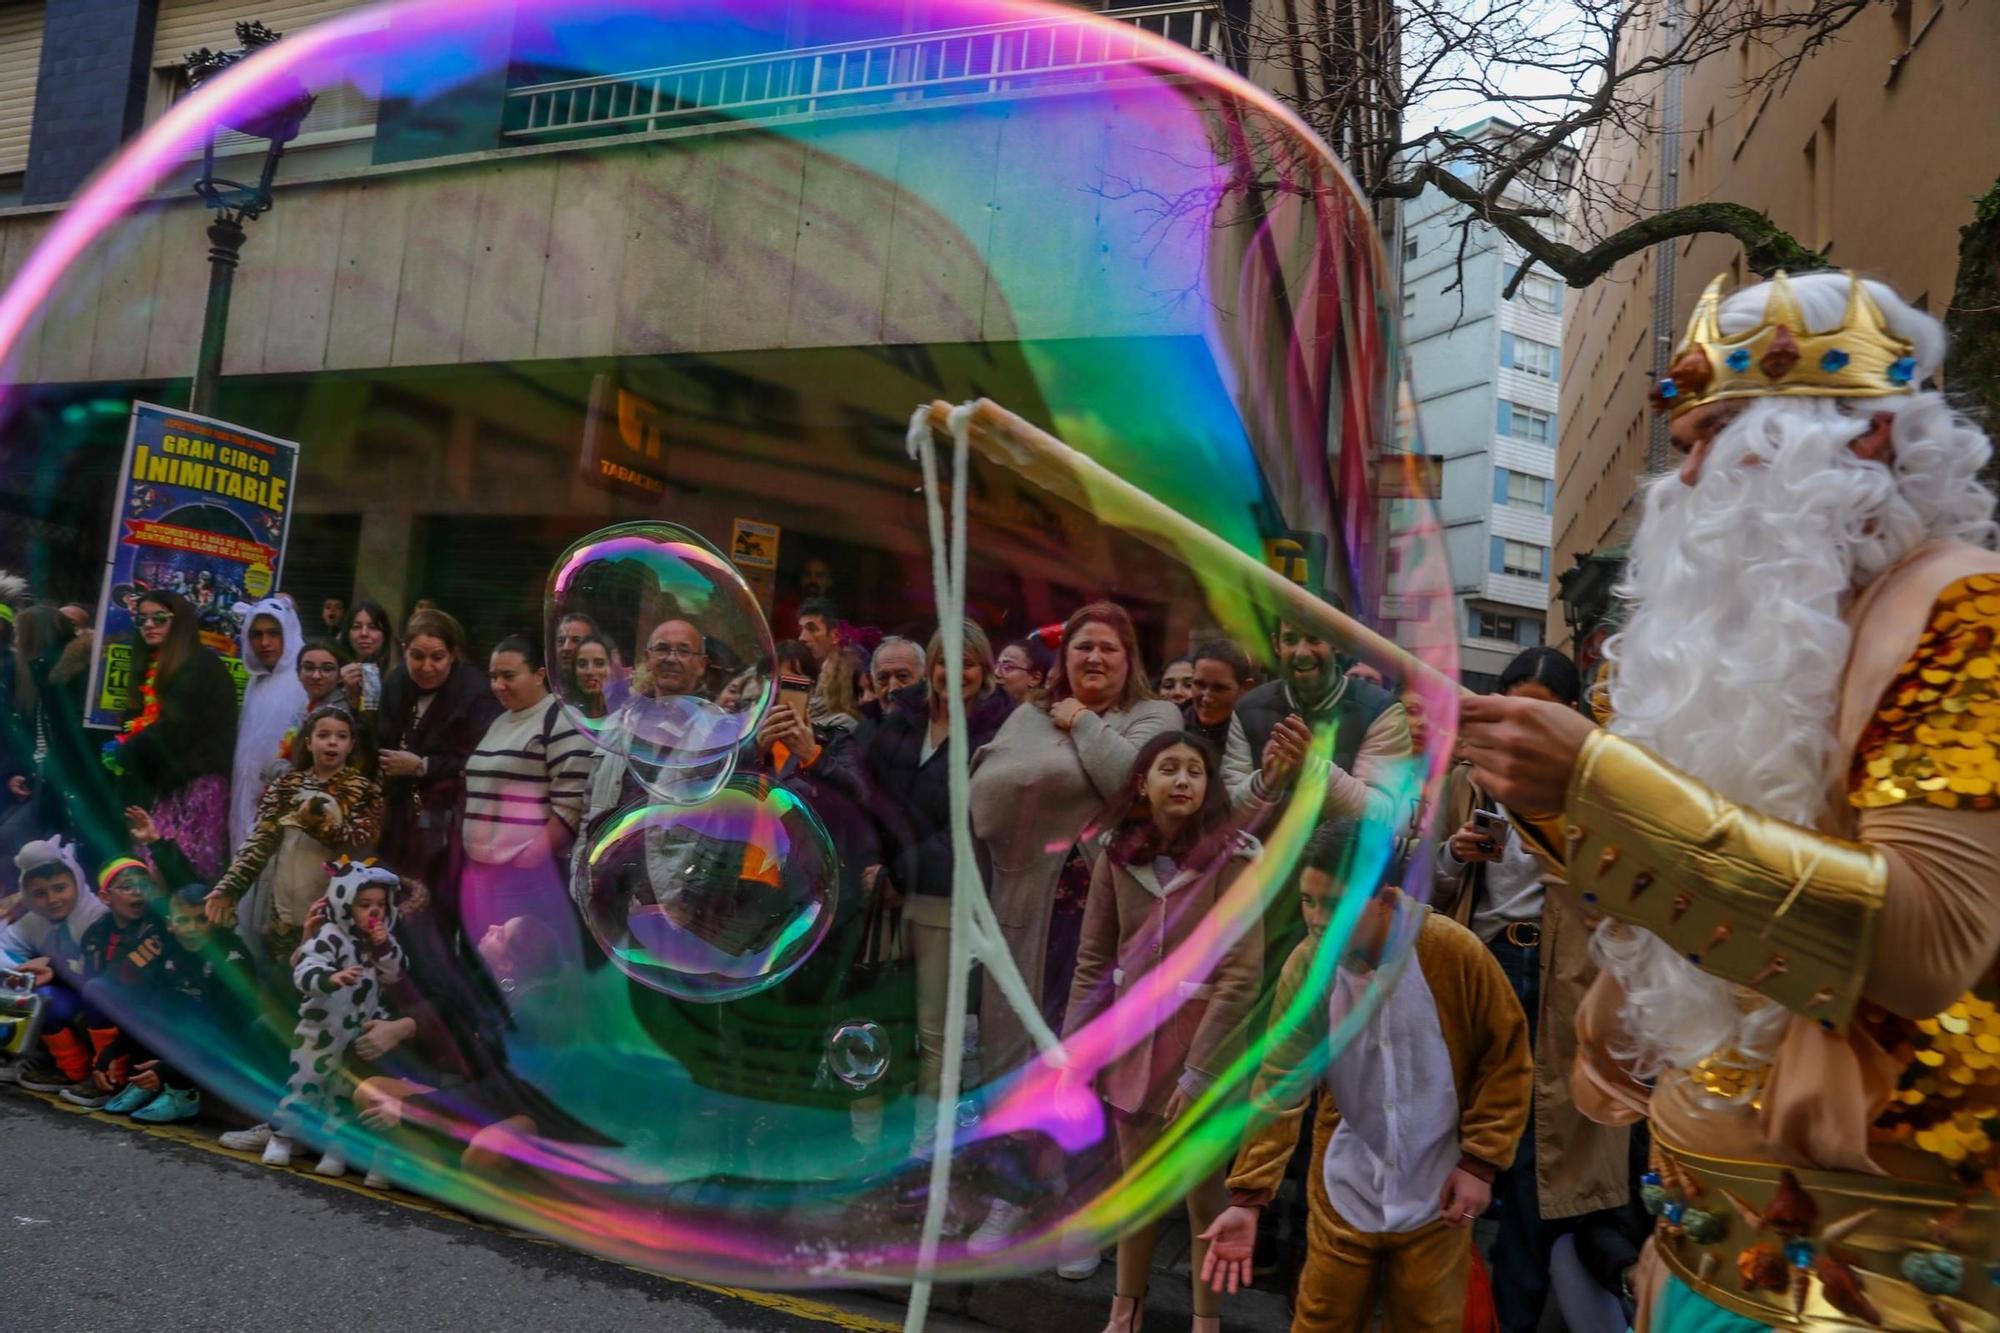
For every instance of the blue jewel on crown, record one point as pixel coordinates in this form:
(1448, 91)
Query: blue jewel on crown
(1669, 389)
(1835, 360)
(1738, 360)
(1903, 370)
(1800, 1253)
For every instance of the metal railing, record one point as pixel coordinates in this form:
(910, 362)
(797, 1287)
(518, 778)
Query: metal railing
(889, 72)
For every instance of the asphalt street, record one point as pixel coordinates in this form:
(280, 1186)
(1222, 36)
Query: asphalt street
(104, 1228)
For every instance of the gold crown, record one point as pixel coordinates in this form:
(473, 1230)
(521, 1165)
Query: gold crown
(1860, 359)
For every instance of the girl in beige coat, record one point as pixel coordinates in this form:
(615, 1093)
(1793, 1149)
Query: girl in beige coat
(1171, 853)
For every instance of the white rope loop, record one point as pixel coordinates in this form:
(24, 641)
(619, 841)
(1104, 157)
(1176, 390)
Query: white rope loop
(975, 931)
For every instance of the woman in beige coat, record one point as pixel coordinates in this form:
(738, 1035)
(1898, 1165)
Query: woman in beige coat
(1171, 854)
(1055, 765)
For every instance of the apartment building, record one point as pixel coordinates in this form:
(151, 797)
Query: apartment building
(1873, 154)
(1488, 370)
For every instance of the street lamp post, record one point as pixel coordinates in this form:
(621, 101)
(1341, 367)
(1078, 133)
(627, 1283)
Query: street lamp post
(277, 122)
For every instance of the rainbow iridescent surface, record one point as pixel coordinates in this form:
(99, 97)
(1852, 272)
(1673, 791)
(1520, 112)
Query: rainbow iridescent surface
(731, 247)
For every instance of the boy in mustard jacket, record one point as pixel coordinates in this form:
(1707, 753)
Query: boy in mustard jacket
(1418, 1113)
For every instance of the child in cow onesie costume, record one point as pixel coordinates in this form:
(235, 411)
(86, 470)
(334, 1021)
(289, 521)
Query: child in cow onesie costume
(342, 971)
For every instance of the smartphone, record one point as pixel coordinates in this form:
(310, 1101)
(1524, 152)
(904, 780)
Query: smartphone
(1493, 826)
(793, 691)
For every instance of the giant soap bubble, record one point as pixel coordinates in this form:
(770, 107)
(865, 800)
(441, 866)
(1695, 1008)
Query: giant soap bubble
(639, 296)
(703, 676)
(715, 901)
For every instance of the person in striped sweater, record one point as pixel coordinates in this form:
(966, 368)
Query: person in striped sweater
(524, 789)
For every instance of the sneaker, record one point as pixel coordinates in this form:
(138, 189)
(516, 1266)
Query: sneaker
(331, 1163)
(129, 1099)
(376, 1180)
(40, 1074)
(278, 1151)
(172, 1104)
(87, 1095)
(252, 1139)
(1081, 1267)
(997, 1231)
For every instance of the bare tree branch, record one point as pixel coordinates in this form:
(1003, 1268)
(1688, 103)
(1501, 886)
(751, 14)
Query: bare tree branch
(1563, 78)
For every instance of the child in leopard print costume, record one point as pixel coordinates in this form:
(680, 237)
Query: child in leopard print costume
(341, 973)
(322, 808)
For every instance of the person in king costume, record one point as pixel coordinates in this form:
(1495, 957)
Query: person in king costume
(1790, 826)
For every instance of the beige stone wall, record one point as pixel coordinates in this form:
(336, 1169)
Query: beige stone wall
(1877, 149)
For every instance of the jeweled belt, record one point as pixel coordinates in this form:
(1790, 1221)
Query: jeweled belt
(1827, 1250)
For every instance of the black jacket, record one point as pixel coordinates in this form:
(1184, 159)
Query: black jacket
(912, 797)
(194, 736)
(418, 826)
(445, 736)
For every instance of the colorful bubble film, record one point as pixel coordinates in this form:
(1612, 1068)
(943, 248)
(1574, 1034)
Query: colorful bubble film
(703, 675)
(622, 309)
(711, 901)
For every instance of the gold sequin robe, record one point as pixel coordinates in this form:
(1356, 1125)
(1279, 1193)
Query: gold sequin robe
(1901, 1108)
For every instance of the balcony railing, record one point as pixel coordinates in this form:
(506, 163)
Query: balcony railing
(890, 72)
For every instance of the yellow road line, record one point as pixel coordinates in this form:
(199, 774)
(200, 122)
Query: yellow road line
(798, 1307)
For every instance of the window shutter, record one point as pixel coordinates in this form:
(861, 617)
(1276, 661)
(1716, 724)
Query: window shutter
(20, 64)
(188, 25)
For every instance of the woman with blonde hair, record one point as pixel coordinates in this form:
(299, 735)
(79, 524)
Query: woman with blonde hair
(906, 758)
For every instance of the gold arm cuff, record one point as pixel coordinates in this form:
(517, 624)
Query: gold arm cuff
(1543, 836)
(1784, 910)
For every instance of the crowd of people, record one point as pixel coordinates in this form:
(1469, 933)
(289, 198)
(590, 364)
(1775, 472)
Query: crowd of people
(384, 807)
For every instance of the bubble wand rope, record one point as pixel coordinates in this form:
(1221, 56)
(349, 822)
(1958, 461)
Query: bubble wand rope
(975, 931)
(1056, 467)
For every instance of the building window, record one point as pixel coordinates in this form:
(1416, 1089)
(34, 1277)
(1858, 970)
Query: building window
(1529, 356)
(1526, 423)
(1521, 631)
(1540, 292)
(345, 109)
(1523, 560)
(1409, 306)
(1409, 248)
(1819, 186)
(1518, 490)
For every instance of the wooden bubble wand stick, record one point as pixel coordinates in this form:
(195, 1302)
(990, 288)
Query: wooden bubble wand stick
(1046, 461)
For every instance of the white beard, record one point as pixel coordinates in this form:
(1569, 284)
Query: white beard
(1730, 666)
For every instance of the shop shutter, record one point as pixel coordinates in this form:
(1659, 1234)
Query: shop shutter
(20, 61)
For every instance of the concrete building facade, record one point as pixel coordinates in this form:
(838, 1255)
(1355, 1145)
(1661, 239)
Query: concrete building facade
(435, 300)
(1873, 154)
(1487, 370)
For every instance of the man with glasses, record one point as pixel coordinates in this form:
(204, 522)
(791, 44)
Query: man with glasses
(676, 659)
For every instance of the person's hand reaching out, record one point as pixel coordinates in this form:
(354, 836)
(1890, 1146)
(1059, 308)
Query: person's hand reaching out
(140, 820)
(1232, 1240)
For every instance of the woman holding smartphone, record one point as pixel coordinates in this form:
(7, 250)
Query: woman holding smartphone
(1566, 1166)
